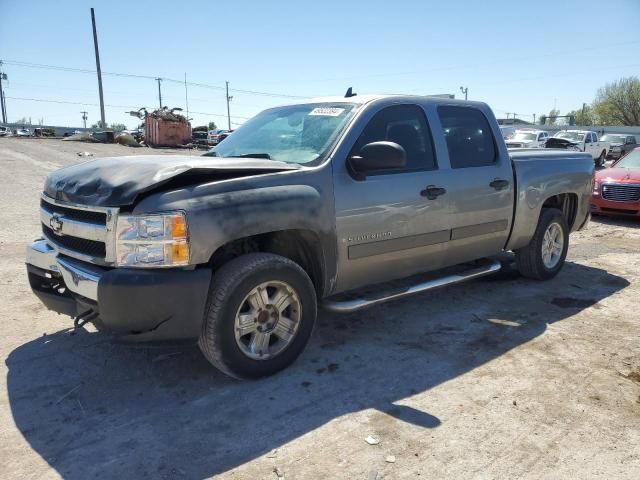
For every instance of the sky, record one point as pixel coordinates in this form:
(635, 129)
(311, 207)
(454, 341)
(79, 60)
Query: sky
(523, 57)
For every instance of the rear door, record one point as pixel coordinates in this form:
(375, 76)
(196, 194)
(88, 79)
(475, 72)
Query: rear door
(481, 195)
(387, 227)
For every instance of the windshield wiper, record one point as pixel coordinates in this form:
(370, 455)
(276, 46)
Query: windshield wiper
(254, 155)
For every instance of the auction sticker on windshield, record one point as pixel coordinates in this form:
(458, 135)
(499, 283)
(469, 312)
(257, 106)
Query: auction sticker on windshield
(327, 111)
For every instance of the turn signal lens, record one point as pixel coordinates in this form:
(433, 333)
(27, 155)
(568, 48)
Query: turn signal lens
(178, 227)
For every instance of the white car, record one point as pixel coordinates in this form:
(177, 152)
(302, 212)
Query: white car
(23, 132)
(528, 139)
(5, 132)
(581, 141)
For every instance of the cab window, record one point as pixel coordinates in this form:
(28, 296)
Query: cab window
(407, 126)
(468, 135)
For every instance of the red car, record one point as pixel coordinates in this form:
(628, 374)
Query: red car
(616, 190)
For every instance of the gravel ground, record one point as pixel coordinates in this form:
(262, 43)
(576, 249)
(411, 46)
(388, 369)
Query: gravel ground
(497, 378)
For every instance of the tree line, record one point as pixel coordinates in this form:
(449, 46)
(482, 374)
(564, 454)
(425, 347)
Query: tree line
(617, 103)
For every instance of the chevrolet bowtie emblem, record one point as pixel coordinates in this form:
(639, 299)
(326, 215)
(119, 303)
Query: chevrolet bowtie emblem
(55, 222)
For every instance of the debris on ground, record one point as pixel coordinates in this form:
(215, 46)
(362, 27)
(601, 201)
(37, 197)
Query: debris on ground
(127, 140)
(373, 475)
(84, 154)
(371, 440)
(390, 459)
(279, 473)
(81, 137)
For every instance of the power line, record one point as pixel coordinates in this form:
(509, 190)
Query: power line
(112, 106)
(151, 77)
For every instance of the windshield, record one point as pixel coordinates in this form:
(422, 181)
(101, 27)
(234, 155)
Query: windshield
(632, 160)
(294, 134)
(570, 135)
(524, 136)
(612, 138)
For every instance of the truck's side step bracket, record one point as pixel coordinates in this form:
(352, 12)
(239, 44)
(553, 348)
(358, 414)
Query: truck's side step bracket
(346, 303)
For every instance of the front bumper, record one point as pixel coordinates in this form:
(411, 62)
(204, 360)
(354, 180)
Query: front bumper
(600, 206)
(614, 155)
(136, 304)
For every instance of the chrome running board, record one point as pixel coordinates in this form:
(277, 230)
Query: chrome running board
(353, 304)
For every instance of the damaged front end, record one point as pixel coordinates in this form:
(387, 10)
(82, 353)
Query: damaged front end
(134, 304)
(562, 143)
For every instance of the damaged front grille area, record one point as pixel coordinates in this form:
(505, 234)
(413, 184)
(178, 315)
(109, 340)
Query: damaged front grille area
(84, 246)
(79, 231)
(75, 214)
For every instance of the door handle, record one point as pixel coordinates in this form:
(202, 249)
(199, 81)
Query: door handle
(499, 184)
(432, 192)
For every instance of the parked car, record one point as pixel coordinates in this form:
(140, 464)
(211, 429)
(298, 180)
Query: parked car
(616, 190)
(507, 131)
(581, 141)
(224, 135)
(23, 132)
(214, 136)
(528, 139)
(199, 138)
(619, 144)
(5, 132)
(236, 249)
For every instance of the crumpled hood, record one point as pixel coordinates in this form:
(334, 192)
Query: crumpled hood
(622, 175)
(555, 142)
(117, 181)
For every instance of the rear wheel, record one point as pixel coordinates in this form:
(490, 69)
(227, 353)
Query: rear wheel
(544, 257)
(260, 315)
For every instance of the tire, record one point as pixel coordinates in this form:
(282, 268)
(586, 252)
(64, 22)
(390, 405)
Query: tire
(530, 259)
(237, 291)
(601, 159)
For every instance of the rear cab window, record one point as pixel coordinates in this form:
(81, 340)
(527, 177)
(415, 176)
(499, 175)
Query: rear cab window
(469, 138)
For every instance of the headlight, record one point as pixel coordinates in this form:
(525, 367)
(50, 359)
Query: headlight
(152, 240)
(596, 187)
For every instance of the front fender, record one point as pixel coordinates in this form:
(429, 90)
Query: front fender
(219, 219)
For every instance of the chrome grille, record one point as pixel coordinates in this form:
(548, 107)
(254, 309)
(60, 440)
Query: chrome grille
(78, 231)
(621, 192)
(514, 145)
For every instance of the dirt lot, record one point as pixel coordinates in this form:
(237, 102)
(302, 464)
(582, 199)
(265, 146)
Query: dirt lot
(498, 378)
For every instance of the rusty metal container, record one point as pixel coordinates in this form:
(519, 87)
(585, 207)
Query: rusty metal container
(159, 132)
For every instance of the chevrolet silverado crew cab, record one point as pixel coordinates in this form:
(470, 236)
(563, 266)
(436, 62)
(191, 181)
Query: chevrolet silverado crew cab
(323, 202)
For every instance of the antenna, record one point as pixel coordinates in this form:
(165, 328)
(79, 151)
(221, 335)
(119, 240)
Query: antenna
(350, 93)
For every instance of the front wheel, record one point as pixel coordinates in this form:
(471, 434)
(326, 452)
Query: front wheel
(544, 257)
(601, 159)
(260, 315)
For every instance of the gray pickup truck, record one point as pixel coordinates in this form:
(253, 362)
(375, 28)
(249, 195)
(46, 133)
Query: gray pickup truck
(323, 202)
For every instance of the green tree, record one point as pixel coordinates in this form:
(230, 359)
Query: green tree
(553, 115)
(583, 116)
(99, 124)
(118, 127)
(618, 103)
(24, 121)
(212, 126)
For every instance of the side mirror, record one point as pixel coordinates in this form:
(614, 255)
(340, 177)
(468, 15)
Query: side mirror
(377, 156)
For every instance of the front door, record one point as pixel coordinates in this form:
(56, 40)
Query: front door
(389, 225)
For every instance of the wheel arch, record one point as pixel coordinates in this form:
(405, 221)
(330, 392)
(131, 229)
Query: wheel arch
(298, 245)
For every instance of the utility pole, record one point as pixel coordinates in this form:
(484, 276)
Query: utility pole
(84, 118)
(534, 118)
(228, 111)
(465, 91)
(159, 92)
(186, 95)
(95, 46)
(3, 108)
